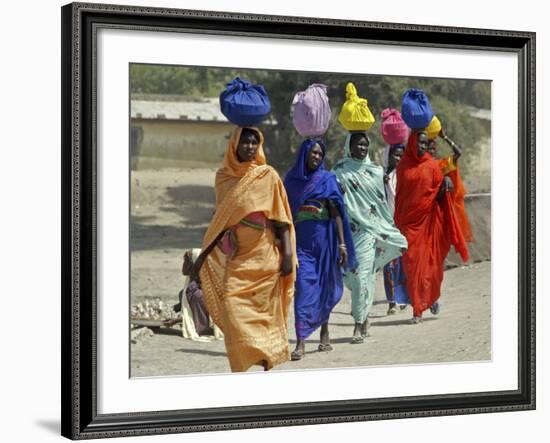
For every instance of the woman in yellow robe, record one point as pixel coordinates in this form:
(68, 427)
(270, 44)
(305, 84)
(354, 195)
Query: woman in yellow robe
(248, 269)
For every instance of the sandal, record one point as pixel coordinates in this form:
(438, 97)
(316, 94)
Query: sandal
(435, 308)
(325, 347)
(297, 354)
(416, 320)
(357, 340)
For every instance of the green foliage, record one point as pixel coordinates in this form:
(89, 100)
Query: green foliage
(451, 100)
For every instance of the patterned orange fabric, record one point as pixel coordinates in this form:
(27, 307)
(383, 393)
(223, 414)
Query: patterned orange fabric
(450, 168)
(246, 295)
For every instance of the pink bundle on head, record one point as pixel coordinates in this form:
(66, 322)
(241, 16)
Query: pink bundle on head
(311, 113)
(393, 128)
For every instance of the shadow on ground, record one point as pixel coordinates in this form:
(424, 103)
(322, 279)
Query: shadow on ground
(202, 352)
(192, 204)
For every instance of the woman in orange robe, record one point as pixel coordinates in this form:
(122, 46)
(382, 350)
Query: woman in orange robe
(247, 273)
(449, 167)
(425, 215)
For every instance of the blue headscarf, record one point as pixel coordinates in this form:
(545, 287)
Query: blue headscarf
(302, 184)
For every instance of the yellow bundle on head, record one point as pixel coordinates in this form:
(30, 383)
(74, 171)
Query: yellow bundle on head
(355, 114)
(434, 128)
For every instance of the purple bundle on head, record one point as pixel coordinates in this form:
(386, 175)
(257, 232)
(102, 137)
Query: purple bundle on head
(311, 111)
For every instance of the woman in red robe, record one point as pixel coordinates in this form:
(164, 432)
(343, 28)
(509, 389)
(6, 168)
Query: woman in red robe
(425, 215)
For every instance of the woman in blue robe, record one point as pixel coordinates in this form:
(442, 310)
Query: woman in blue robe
(323, 243)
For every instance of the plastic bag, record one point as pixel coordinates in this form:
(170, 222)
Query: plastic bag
(244, 104)
(416, 109)
(311, 111)
(355, 114)
(434, 128)
(393, 128)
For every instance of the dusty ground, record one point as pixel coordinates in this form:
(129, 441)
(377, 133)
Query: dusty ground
(170, 212)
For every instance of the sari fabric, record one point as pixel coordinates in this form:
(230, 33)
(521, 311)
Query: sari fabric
(395, 283)
(430, 225)
(449, 167)
(319, 284)
(377, 241)
(245, 293)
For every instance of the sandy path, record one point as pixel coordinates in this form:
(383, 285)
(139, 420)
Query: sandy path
(461, 332)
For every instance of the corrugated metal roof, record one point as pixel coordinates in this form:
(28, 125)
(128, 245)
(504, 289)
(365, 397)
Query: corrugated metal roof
(206, 110)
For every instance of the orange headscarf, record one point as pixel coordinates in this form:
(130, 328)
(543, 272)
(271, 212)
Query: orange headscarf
(246, 187)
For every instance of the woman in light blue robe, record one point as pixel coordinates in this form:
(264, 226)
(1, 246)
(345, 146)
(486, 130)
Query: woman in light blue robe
(376, 239)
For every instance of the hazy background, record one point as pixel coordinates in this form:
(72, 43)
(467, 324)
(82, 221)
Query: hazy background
(187, 97)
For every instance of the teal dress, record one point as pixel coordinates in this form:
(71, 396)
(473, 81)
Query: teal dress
(376, 239)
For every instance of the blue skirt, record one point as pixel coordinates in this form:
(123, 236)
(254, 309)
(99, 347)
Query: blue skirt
(395, 283)
(319, 285)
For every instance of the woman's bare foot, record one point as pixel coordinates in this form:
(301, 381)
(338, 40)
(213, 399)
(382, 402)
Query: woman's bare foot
(357, 338)
(299, 352)
(325, 339)
(365, 328)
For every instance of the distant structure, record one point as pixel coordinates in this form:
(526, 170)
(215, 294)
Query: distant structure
(192, 131)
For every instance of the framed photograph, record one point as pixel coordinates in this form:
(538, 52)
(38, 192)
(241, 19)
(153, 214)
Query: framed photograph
(147, 137)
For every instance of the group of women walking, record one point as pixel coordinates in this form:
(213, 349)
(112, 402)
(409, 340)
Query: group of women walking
(304, 239)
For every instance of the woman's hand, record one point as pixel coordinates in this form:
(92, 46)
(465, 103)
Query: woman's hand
(449, 185)
(343, 252)
(286, 265)
(286, 250)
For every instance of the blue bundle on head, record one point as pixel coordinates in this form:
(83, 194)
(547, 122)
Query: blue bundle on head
(416, 109)
(244, 104)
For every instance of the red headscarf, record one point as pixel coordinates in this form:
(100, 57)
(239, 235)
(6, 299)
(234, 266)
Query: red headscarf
(430, 225)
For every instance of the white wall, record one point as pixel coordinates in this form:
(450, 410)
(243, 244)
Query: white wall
(30, 219)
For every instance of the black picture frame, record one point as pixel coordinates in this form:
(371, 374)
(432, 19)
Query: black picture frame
(79, 211)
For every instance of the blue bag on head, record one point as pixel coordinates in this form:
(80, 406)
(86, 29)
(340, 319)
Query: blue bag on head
(244, 104)
(416, 109)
